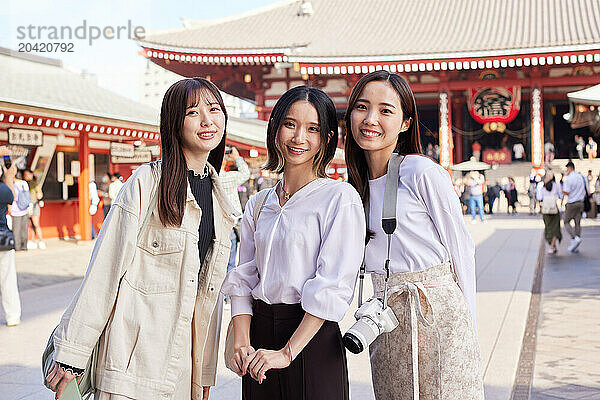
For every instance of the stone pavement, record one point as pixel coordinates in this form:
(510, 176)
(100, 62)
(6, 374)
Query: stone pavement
(567, 361)
(507, 249)
(64, 260)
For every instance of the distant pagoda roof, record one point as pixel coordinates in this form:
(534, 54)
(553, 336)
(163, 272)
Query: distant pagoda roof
(344, 32)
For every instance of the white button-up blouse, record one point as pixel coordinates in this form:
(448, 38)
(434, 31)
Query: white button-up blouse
(309, 251)
(430, 230)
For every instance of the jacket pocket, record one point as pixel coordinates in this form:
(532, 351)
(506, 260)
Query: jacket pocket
(157, 262)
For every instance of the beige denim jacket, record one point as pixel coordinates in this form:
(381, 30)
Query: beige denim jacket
(142, 298)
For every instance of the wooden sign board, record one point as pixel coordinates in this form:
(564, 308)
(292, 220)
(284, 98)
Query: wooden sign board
(139, 157)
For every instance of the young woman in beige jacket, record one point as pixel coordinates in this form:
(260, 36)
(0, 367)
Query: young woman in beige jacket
(150, 294)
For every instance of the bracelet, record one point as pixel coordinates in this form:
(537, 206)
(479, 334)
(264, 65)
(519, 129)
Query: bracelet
(289, 346)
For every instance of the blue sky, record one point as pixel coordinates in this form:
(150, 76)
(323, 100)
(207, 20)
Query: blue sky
(116, 62)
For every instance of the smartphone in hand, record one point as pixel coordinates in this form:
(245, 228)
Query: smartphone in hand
(71, 391)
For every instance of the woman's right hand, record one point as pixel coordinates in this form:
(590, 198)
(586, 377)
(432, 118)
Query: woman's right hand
(241, 342)
(58, 379)
(239, 357)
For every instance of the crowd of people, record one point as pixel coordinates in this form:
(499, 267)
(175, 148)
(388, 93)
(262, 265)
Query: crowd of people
(569, 195)
(479, 197)
(590, 148)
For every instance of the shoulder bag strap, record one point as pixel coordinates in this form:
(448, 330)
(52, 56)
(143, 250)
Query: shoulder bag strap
(388, 219)
(261, 198)
(151, 208)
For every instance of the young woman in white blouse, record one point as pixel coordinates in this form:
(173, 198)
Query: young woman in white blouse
(434, 356)
(298, 264)
(549, 195)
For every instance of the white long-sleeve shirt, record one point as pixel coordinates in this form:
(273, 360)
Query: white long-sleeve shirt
(542, 192)
(430, 226)
(309, 251)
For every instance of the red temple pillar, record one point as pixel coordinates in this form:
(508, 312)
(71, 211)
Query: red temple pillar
(260, 105)
(537, 127)
(458, 120)
(85, 219)
(445, 132)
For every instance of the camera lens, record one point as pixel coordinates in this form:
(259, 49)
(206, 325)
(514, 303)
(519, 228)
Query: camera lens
(352, 343)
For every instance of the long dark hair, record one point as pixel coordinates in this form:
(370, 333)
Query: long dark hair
(172, 187)
(409, 142)
(327, 123)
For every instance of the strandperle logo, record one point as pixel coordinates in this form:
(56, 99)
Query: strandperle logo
(82, 32)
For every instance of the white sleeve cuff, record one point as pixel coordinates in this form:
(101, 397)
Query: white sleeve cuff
(241, 305)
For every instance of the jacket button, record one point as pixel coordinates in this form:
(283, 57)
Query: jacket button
(155, 244)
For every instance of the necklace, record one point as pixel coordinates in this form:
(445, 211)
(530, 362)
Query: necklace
(203, 174)
(286, 195)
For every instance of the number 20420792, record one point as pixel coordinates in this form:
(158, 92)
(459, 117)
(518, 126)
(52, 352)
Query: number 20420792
(49, 47)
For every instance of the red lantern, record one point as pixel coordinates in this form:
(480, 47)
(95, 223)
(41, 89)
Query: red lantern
(495, 104)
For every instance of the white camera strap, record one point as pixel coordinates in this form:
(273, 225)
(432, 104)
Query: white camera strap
(388, 220)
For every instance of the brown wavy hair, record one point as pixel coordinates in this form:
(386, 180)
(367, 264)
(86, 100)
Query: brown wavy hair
(409, 142)
(172, 187)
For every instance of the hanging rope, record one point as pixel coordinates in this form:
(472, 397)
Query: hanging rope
(472, 135)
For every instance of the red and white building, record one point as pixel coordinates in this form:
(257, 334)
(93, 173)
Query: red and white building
(496, 71)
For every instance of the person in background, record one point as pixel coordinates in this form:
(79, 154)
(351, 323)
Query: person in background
(591, 148)
(532, 192)
(245, 191)
(115, 185)
(19, 213)
(476, 147)
(548, 194)
(510, 191)
(596, 195)
(519, 151)
(476, 187)
(549, 152)
(104, 194)
(574, 187)
(579, 146)
(429, 151)
(493, 193)
(465, 198)
(94, 201)
(230, 180)
(8, 272)
(35, 209)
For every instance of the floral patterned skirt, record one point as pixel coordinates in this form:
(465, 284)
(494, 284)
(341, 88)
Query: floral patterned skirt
(433, 353)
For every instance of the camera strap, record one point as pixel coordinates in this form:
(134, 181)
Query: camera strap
(388, 220)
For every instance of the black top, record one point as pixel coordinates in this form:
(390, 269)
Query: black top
(6, 198)
(202, 190)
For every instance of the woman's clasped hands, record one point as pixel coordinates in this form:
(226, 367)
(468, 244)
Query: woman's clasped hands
(257, 362)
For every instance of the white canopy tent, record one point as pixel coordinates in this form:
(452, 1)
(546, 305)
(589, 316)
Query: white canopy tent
(589, 96)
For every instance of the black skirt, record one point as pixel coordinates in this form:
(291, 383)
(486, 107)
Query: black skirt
(319, 372)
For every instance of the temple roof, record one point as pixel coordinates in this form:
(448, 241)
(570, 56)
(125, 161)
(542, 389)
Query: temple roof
(389, 30)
